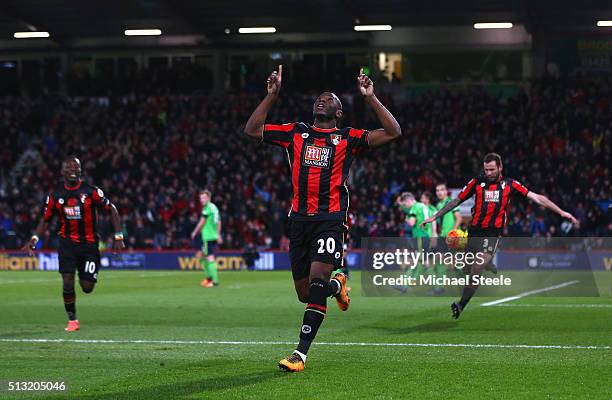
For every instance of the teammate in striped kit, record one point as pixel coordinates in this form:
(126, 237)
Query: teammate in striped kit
(320, 156)
(76, 203)
(492, 194)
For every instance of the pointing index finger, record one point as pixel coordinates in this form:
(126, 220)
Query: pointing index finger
(280, 70)
(360, 71)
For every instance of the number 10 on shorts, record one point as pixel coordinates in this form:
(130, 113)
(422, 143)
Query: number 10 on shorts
(90, 267)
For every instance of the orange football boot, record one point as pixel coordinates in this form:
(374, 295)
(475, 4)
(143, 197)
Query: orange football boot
(206, 282)
(72, 326)
(293, 363)
(342, 298)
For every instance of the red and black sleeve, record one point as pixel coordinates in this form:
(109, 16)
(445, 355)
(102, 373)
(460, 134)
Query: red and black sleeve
(49, 209)
(518, 187)
(100, 199)
(280, 135)
(468, 190)
(358, 140)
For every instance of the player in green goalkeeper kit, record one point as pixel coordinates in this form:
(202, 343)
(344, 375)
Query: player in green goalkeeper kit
(210, 228)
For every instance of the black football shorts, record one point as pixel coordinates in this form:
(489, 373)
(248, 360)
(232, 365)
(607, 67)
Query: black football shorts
(311, 241)
(84, 258)
(483, 240)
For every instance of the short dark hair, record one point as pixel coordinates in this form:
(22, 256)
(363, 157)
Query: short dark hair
(205, 191)
(442, 184)
(426, 194)
(493, 157)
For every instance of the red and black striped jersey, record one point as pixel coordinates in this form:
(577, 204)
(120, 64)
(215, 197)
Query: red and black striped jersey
(490, 200)
(320, 160)
(77, 211)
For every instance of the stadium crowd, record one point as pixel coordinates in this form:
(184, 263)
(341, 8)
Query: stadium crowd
(151, 154)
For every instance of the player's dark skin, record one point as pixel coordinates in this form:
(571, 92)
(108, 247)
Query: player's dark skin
(327, 112)
(71, 172)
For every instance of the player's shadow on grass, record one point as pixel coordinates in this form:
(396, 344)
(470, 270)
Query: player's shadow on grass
(203, 384)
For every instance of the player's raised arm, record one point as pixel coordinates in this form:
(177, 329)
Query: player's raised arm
(255, 125)
(546, 202)
(391, 129)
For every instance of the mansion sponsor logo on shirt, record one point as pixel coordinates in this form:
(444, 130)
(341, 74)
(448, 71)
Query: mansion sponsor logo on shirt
(491, 196)
(315, 156)
(72, 212)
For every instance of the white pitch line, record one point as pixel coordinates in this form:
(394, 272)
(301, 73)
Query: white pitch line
(274, 343)
(558, 305)
(525, 294)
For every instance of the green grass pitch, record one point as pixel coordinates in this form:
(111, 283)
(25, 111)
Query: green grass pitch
(183, 326)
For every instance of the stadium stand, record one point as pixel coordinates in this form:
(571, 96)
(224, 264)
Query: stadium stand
(150, 150)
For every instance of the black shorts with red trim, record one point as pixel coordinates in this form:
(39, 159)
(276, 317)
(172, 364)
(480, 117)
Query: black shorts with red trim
(484, 240)
(84, 258)
(311, 241)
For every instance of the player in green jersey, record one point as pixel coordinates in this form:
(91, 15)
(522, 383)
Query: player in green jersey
(435, 269)
(447, 224)
(415, 212)
(431, 210)
(209, 227)
(451, 220)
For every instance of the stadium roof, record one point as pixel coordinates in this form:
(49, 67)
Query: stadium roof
(208, 20)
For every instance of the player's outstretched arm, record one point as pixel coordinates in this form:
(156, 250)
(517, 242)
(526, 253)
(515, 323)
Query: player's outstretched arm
(31, 244)
(391, 129)
(449, 206)
(546, 202)
(255, 124)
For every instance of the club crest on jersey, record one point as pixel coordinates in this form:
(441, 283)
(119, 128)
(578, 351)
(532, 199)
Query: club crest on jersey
(491, 196)
(304, 135)
(316, 156)
(335, 139)
(83, 198)
(61, 201)
(72, 212)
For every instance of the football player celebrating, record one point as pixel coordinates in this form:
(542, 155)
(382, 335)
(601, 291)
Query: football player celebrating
(320, 156)
(76, 204)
